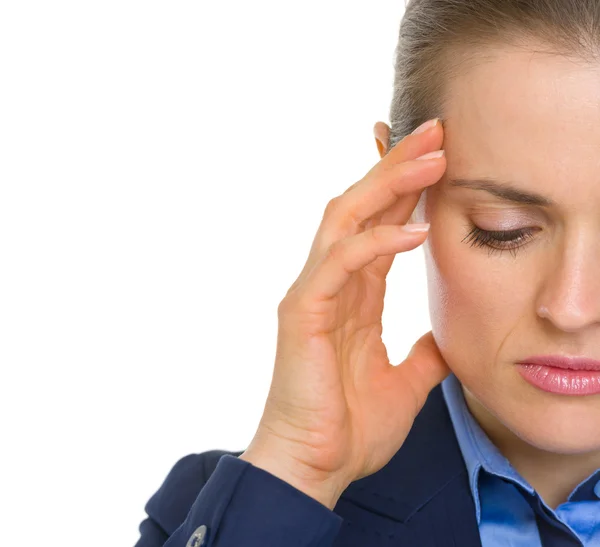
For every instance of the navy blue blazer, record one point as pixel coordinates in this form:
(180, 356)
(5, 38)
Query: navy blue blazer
(421, 498)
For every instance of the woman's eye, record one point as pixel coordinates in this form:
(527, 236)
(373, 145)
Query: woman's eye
(499, 240)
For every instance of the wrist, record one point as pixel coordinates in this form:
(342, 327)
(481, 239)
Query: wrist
(325, 490)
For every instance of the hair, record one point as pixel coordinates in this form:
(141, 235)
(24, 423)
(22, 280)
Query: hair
(439, 39)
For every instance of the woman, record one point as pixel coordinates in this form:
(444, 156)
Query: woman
(488, 433)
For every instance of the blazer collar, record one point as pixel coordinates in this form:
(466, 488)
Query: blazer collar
(427, 463)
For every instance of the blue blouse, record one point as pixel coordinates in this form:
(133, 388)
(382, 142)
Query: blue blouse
(504, 516)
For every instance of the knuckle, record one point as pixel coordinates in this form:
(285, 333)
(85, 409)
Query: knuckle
(332, 207)
(285, 306)
(292, 311)
(345, 217)
(393, 177)
(335, 251)
(350, 188)
(291, 303)
(378, 233)
(388, 169)
(354, 220)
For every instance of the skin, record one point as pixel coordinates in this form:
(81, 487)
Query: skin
(532, 119)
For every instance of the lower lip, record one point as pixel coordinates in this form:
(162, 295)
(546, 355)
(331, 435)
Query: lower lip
(560, 380)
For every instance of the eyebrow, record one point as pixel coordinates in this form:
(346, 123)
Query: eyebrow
(504, 190)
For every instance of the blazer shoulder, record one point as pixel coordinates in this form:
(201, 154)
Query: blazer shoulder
(171, 503)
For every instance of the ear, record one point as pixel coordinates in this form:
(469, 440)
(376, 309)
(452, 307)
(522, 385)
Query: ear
(382, 137)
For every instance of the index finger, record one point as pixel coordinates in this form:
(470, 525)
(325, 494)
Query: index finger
(389, 169)
(395, 175)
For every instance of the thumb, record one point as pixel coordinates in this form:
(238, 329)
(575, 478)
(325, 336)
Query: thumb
(422, 370)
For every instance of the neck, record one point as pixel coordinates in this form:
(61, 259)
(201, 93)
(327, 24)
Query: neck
(554, 476)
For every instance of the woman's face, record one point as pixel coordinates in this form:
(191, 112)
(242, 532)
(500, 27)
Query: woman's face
(531, 121)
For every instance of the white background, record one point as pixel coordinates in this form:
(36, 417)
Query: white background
(163, 169)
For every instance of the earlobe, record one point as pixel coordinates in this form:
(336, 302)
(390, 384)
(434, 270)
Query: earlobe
(380, 148)
(382, 137)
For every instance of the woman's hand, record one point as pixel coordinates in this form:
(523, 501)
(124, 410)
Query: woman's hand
(337, 410)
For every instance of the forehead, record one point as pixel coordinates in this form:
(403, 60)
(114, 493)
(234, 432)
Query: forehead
(527, 116)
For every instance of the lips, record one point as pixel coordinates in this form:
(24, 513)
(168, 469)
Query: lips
(562, 375)
(562, 362)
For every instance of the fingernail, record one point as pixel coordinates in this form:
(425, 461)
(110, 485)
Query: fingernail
(425, 126)
(416, 227)
(431, 155)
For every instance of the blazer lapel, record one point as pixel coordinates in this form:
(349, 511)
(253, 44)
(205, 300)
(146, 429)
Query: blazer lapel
(424, 487)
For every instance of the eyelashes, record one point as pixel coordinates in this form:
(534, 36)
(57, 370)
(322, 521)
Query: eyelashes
(499, 241)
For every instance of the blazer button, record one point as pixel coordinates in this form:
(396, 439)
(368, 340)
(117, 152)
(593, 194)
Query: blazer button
(197, 538)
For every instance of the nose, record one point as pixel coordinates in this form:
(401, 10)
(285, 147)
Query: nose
(570, 293)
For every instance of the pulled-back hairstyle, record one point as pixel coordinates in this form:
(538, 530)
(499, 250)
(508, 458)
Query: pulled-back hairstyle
(440, 38)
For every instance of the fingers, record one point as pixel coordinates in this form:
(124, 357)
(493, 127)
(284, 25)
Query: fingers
(351, 254)
(412, 146)
(409, 148)
(395, 178)
(339, 222)
(399, 213)
(378, 192)
(388, 194)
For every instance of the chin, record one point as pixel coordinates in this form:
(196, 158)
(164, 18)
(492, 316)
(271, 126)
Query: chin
(550, 422)
(561, 429)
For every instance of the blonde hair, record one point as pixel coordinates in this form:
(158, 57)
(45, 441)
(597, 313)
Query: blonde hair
(439, 39)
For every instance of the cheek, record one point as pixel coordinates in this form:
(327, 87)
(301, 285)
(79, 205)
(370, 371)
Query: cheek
(473, 304)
